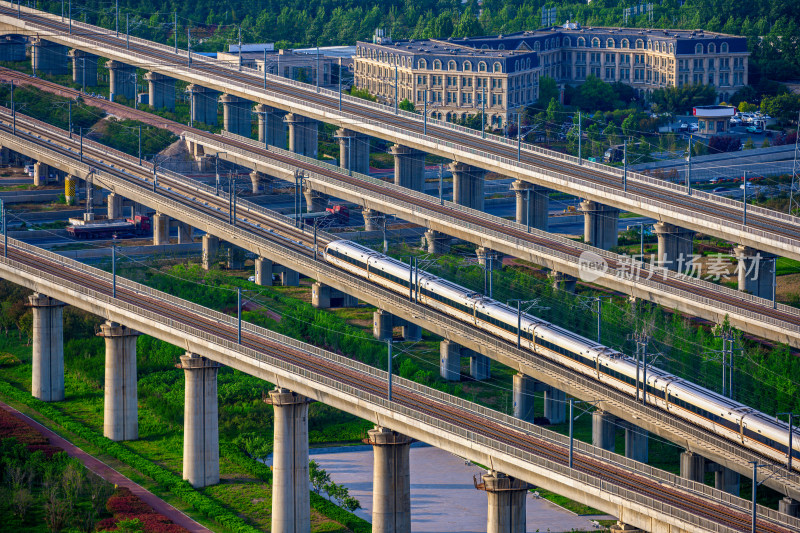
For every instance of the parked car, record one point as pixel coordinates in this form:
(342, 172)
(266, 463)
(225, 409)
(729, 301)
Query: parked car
(693, 127)
(683, 127)
(719, 189)
(754, 129)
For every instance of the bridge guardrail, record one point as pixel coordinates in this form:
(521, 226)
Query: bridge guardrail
(542, 364)
(473, 436)
(632, 176)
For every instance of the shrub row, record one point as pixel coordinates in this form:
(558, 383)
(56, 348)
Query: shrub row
(177, 486)
(125, 506)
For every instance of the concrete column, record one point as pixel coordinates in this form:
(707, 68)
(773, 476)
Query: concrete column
(236, 114)
(291, 508)
(450, 360)
(675, 245)
(47, 383)
(203, 104)
(302, 135)
(412, 332)
(263, 271)
(726, 480)
(756, 271)
(489, 258)
(48, 57)
(409, 167)
(506, 503)
(353, 150)
(382, 325)
(636, 443)
(261, 182)
(315, 201)
(161, 91)
(289, 277)
(71, 189)
(564, 281)
(555, 405)
(114, 201)
(479, 366)
(437, 242)
(600, 224)
(525, 388)
(621, 527)
(84, 68)
(271, 126)
(235, 257)
(200, 421)
(693, 466)
(40, 174)
(537, 212)
(4, 152)
(321, 295)
(122, 80)
(373, 220)
(185, 233)
(12, 48)
(468, 185)
(604, 430)
(120, 409)
(391, 481)
(210, 251)
(160, 229)
(789, 506)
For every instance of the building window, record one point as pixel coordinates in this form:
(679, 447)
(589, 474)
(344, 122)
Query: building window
(422, 63)
(595, 43)
(467, 65)
(497, 67)
(482, 67)
(581, 41)
(609, 43)
(649, 44)
(451, 65)
(625, 43)
(698, 48)
(723, 48)
(639, 43)
(437, 65)
(712, 48)
(536, 46)
(567, 41)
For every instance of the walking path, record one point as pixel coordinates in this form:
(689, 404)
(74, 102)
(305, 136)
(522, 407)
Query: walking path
(112, 476)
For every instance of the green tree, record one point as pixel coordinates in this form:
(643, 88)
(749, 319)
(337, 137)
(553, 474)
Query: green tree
(407, 105)
(548, 89)
(682, 99)
(594, 93)
(783, 107)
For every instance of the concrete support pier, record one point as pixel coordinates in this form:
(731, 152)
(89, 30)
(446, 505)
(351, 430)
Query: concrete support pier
(789, 506)
(289, 277)
(210, 251)
(353, 150)
(302, 135)
(12, 48)
(409, 167)
(480, 366)
(47, 383)
(261, 182)
(437, 242)
(450, 360)
(525, 388)
(506, 503)
(726, 480)
(555, 405)
(200, 421)
(271, 125)
(373, 220)
(203, 104)
(489, 258)
(675, 245)
(391, 485)
(120, 402)
(84, 68)
(693, 466)
(185, 233)
(604, 430)
(564, 281)
(236, 114)
(600, 224)
(41, 173)
(234, 256)
(114, 202)
(412, 332)
(291, 508)
(382, 325)
(468, 185)
(536, 212)
(48, 57)
(161, 91)
(621, 527)
(324, 297)
(122, 80)
(263, 271)
(756, 271)
(160, 229)
(316, 201)
(636, 443)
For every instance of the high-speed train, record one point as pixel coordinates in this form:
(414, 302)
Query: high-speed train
(729, 419)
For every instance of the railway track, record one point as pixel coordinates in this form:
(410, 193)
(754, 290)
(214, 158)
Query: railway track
(675, 283)
(677, 200)
(663, 493)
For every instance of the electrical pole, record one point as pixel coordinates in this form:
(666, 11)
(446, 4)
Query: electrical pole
(317, 66)
(519, 136)
(794, 194)
(791, 431)
(127, 31)
(744, 198)
(5, 229)
(116, 15)
(483, 111)
(689, 169)
(625, 165)
(265, 88)
(389, 371)
(176, 32)
(395, 88)
(239, 314)
(140, 146)
(189, 44)
(113, 269)
(580, 140)
(240, 49)
(69, 103)
(340, 84)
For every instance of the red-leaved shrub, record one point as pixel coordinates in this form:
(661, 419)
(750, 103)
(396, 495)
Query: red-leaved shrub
(125, 505)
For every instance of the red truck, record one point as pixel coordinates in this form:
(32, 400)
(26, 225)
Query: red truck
(106, 229)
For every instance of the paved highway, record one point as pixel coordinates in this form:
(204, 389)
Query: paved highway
(765, 230)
